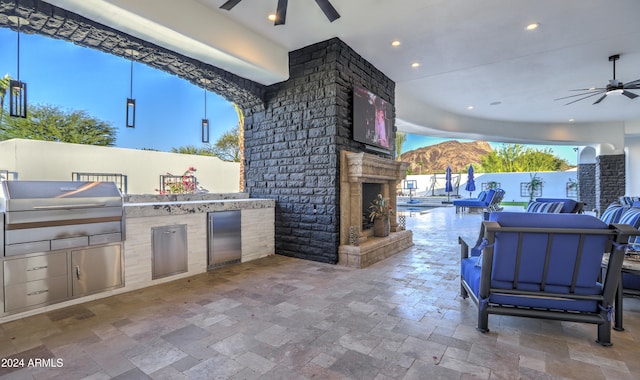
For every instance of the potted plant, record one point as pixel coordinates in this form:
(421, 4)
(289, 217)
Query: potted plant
(534, 186)
(379, 212)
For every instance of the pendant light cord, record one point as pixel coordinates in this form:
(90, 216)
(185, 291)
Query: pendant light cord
(18, 48)
(131, 79)
(205, 103)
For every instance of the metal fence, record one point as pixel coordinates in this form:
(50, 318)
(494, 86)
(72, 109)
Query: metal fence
(177, 184)
(119, 179)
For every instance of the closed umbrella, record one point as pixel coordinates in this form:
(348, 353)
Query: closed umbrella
(448, 187)
(471, 183)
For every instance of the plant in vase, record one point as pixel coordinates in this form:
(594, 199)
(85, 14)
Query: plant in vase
(379, 212)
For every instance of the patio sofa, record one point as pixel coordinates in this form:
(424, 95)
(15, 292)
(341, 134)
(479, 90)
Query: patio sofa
(545, 266)
(488, 200)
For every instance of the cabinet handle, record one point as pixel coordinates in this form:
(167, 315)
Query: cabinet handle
(78, 271)
(38, 292)
(170, 232)
(37, 268)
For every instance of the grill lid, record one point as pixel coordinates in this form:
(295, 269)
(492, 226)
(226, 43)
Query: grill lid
(43, 195)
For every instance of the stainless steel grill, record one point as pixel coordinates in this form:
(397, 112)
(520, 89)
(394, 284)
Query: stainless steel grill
(42, 216)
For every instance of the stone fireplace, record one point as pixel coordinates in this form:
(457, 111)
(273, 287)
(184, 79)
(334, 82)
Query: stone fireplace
(364, 176)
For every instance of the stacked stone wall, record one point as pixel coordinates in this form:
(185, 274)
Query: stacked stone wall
(292, 147)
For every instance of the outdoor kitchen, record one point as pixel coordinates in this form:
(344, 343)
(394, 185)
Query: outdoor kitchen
(65, 242)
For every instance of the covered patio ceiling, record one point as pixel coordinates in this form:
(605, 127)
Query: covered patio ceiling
(481, 75)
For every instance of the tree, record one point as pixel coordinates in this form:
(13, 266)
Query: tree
(401, 138)
(517, 158)
(4, 87)
(50, 123)
(227, 148)
(190, 149)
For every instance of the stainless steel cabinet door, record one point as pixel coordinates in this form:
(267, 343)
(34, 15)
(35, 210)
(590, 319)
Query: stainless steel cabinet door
(96, 269)
(169, 248)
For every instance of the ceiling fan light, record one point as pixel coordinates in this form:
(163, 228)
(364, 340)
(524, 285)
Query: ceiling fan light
(615, 92)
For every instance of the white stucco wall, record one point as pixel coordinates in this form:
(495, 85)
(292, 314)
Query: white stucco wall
(632, 185)
(554, 184)
(44, 160)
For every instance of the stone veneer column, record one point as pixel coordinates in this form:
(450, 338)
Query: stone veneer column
(587, 185)
(292, 147)
(610, 180)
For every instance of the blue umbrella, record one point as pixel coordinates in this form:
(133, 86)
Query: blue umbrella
(448, 187)
(471, 183)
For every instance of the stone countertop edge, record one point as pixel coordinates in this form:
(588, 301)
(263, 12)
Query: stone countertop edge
(133, 210)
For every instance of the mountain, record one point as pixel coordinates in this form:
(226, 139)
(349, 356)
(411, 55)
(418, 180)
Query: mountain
(435, 158)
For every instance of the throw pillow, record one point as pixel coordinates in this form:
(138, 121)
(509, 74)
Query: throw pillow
(613, 213)
(545, 207)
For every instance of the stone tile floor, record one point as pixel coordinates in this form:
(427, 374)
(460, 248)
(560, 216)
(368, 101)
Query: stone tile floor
(284, 318)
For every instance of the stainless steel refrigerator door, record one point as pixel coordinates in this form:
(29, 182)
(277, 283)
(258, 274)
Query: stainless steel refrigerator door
(225, 238)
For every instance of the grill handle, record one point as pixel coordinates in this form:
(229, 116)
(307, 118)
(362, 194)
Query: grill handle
(70, 207)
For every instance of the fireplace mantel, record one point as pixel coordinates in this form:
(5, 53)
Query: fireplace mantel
(365, 167)
(357, 248)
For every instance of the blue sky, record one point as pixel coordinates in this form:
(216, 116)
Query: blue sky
(168, 109)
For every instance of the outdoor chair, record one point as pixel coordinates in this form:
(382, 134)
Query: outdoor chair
(545, 266)
(489, 201)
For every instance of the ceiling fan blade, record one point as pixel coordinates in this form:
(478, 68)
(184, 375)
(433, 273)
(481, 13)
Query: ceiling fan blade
(229, 4)
(328, 10)
(599, 100)
(588, 96)
(281, 12)
(584, 93)
(589, 89)
(633, 85)
(629, 94)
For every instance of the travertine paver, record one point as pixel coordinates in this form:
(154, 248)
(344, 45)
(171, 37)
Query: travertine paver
(284, 318)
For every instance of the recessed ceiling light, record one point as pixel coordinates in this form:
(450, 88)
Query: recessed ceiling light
(533, 26)
(395, 43)
(415, 65)
(272, 17)
(470, 107)
(572, 120)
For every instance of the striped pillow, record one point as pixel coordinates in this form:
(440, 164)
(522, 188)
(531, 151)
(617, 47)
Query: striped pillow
(631, 217)
(613, 213)
(628, 200)
(545, 207)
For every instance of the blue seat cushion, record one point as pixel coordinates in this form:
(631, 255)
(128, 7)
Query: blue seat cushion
(475, 202)
(630, 281)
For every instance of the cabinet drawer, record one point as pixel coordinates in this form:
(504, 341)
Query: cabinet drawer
(26, 269)
(35, 293)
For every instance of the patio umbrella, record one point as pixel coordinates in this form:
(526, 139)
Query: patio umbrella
(447, 186)
(471, 183)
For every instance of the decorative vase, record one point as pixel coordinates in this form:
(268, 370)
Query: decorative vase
(381, 226)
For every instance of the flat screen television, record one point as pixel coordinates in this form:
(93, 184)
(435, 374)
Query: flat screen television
(372, 119)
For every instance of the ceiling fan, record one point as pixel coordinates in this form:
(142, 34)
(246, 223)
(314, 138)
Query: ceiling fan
(615, 87)
(281, 10)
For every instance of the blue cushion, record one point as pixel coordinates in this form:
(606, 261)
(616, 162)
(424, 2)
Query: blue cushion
(613, 213)
(568, 204)
(628, 200)
(545, 207)
(631, 216)
(475, 202)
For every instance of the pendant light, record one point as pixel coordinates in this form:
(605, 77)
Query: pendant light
(131, 102)
(205, 121)
(17, 88)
